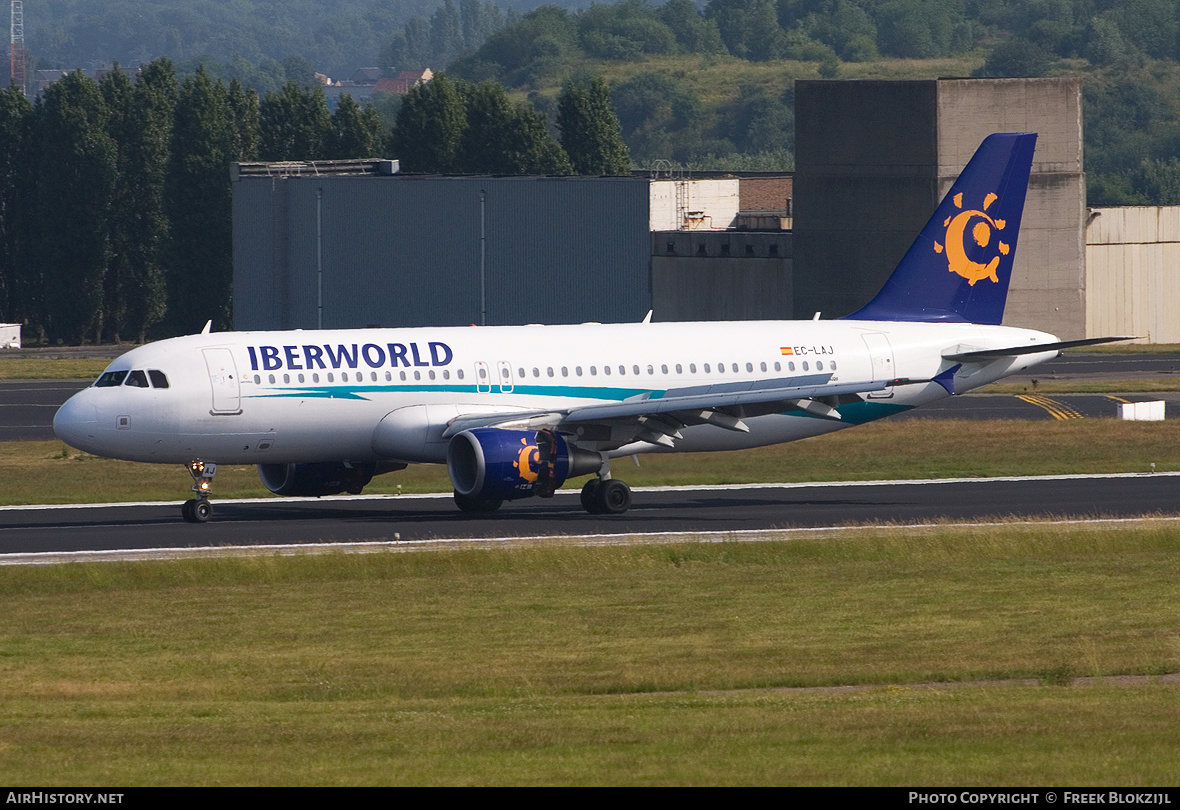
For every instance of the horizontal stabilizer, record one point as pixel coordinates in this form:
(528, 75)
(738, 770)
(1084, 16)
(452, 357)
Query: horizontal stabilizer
(1032, 348)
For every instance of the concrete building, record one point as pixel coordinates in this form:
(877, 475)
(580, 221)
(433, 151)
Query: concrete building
(874, 158)
(1133, 273)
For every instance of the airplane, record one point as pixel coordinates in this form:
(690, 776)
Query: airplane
(515, 411)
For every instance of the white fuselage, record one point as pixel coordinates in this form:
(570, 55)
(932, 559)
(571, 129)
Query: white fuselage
(387, 394)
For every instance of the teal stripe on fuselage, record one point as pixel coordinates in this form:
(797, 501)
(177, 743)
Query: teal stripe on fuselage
(359, 391)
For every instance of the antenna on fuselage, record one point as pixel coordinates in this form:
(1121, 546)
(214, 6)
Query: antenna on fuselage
(208, 327)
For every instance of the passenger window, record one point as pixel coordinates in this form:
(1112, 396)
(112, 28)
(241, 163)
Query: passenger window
(635, 369)
(805, 365)
(819, 365)
(431, 373)
(679, 369)
(605, 369)
(692, 367)
(257, 379)
(136, 379)
(459, 373)
(706, 367)
(110, 379)
(287, 378)
(593, 371)
(749, 366)
(622, 369)
(158, 379)
(832, 365)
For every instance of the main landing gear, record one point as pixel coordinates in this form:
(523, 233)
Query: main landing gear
(198, 509)
(606, 496)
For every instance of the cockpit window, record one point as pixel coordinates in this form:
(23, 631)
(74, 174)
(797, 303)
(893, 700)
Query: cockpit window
(110, 379)
(136, 379)
(158, 378)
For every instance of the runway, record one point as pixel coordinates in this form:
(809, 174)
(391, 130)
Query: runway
(715, 510)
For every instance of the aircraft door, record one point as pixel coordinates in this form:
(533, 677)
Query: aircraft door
(223, 377)
(881, 354)
(505, 370)
(483, 378)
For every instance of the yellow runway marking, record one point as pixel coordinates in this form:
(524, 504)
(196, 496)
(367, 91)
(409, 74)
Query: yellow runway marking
(1058, 410)
(1117, 399)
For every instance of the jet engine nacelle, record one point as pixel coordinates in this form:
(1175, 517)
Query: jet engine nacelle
(325, 478)
(498, 464)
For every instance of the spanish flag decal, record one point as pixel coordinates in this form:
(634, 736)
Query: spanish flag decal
(786, 350)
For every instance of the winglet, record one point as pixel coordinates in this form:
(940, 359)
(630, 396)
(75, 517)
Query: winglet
(959, 267)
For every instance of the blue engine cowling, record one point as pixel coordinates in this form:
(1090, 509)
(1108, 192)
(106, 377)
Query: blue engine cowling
(313, 480)
(498, 464)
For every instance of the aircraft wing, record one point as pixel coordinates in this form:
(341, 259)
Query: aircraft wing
(657, 418)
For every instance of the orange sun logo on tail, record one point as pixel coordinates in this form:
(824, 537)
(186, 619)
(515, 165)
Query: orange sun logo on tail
(982, 226)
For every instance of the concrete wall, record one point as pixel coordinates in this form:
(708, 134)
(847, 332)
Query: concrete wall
(693, 204)
(1048, 278)
(873, 159)
(1133, 273)
(699, 276)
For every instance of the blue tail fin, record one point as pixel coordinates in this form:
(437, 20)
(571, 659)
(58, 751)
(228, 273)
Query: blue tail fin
(959, 267)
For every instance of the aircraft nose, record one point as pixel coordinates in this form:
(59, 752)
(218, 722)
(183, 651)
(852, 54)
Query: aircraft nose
(76, 421)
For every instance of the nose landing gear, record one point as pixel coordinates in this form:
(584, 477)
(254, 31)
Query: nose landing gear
(198, 509)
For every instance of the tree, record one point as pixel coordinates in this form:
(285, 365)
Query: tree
(76, 169)
(295, 124)
(16, 113)
(501, 138)
(200, 271)
(749, 28)
(144, 156)
(356, 133)
(1016, 57)
(590, 130)
(430, 125)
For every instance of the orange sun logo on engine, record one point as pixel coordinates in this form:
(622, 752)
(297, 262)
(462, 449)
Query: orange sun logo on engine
(529, 455)
(981, 226)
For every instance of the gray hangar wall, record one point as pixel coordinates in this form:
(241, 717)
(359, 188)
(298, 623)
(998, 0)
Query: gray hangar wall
(406, 251)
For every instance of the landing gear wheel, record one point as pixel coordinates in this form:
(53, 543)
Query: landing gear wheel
(468, 503)
(613, 497)
(197, 510)
(590, 497)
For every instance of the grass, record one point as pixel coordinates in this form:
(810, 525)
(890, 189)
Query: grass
(50, 472)
(557, 664)
(56, 368)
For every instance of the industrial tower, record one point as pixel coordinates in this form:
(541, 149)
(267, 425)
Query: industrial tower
(17, 48)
